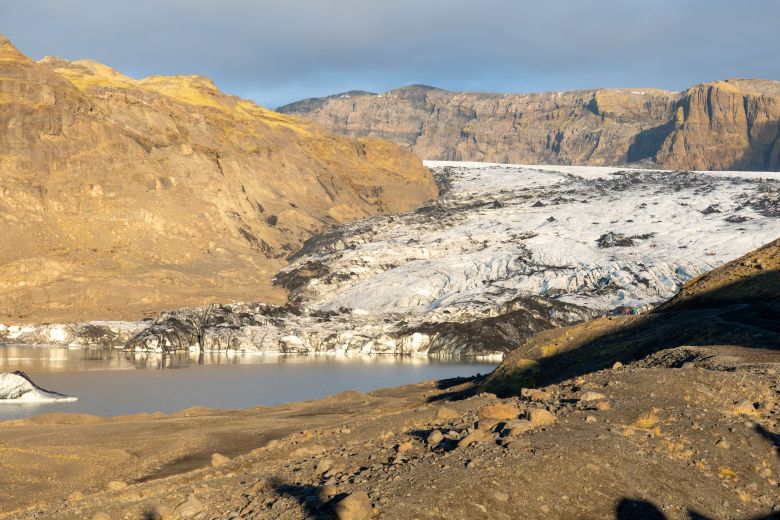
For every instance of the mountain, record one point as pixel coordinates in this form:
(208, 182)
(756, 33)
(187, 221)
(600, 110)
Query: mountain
(724, 125)
(120, 197)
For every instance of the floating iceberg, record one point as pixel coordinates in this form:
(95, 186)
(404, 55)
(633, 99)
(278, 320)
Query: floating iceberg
(16, 387)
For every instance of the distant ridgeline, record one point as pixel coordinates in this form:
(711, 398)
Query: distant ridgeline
(725, 125)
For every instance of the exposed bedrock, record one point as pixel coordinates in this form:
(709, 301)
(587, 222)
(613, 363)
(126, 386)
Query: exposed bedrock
(722, 125)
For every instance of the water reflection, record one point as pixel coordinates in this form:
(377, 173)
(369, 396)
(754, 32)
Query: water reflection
(58, 359)
(113, 382)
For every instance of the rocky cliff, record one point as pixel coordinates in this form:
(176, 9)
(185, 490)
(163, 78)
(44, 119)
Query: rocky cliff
(726, 125)
(121, 196)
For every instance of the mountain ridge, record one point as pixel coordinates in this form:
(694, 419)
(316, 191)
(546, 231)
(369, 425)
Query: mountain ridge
(732, 124)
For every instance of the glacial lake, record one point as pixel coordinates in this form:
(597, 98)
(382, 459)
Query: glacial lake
(112, 382)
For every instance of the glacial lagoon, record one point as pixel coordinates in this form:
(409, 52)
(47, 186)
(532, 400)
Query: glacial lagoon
(113, 382)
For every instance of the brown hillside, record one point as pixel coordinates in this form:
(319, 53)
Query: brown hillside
(119, 197)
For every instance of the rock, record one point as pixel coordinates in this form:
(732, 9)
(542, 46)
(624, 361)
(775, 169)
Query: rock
(493, 414)
(723, 444)
(260, 486)
(517, 427)
(539, 396)
(217, 459)
(602, 405)
(446, 414)
(591, 396)
(590, 419)
(434, 438)
(323, 465)
(116, 485)
(617, 365)
(327, 492)
(472, 438)
(744, 408)
(75, 496)
(540, 417)
(189, 508)
(356, 506)
(501, 496)
(405, 446)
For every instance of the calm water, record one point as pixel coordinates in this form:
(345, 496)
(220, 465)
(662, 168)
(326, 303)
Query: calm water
(112, 382)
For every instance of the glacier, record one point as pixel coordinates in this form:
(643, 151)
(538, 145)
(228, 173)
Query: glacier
(504, 252)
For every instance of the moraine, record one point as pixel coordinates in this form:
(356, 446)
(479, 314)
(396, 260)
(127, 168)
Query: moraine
(504, 252)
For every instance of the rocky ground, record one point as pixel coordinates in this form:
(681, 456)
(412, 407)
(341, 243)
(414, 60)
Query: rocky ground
(674, 414)
(654, 437)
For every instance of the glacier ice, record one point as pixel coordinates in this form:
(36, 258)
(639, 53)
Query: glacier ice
(16, 387)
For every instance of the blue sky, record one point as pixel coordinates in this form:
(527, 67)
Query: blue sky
(278, 51)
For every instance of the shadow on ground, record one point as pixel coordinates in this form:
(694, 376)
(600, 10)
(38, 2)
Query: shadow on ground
(743, 313)
(630, 509)
(309, 497)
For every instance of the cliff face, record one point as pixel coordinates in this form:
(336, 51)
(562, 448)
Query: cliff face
(120, 197)
(727, 125)
(731, 124)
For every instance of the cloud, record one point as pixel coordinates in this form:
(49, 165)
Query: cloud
(277, 51)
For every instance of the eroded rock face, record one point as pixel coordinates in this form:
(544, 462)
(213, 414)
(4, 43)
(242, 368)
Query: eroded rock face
(123, 197)
(726, 125)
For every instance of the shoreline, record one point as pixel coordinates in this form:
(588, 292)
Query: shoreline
(439, 449)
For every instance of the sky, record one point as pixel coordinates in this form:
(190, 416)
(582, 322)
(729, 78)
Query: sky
(279, 51)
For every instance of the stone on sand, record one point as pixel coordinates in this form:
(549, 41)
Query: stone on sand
(405, 446)
(356, 506)
(540, 417)
(434, 438)
(517, 427)
(217, 459)
(472, 438)
(446, 414)
(591, 396)
(494, 413)
(189, 508)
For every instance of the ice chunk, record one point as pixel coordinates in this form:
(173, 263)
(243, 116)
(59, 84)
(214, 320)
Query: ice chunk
(16, 387)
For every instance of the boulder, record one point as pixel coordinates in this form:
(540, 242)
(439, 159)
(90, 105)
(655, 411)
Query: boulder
(355, 506)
